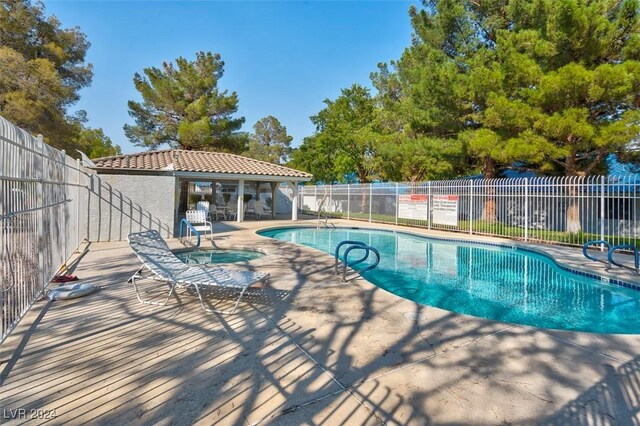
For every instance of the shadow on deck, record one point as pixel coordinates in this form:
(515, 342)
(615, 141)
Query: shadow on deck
(310, 350)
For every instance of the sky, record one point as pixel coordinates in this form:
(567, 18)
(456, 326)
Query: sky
(282, 58)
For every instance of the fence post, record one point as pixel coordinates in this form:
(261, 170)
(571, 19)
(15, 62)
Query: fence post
(315, 197)
(370, 200)
(78, 166)
(602, 206)
(526, 209)
(330, 198)
(348, 201)
(40, 215)
(64, 207)
(429, 205)
(471, 207)
(397, 198)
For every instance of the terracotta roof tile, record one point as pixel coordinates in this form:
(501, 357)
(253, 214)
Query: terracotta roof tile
(196, 161)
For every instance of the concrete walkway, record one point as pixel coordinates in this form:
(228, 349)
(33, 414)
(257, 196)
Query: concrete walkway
(310, 350)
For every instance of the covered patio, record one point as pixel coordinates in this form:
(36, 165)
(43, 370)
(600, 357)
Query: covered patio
(231, 185)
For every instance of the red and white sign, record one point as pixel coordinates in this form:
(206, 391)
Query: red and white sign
(414, 206)
(445, 210)
(417, 198)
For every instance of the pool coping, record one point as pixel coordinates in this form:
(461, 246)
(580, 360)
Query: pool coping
(514, 245)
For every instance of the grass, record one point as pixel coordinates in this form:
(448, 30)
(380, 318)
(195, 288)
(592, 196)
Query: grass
(496, 229)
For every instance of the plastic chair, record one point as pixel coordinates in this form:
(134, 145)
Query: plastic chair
(198, 218)
(260, 210)
(205, 207)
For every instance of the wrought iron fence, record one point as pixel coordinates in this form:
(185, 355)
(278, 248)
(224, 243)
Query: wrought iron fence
(43, 210)
(565, 210)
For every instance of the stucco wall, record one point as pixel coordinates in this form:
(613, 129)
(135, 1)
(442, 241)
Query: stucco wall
(121, 204)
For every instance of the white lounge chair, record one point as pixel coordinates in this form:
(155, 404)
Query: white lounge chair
(204, 206)
(250, 208)
(267, 210)
(160, 264)
(261, 210)
(232, 212)
(220, 211)
(199, 220)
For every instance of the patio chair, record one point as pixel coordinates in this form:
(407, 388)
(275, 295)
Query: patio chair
(198, 218)
(220, 211)
(232, 212)
(250, 208)
(260, 210)
(266, 209)
(160, 264)
(204, 206)
(211, 212)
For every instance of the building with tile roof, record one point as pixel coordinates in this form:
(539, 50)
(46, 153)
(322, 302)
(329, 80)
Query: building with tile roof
(199, 176)
(217, 163)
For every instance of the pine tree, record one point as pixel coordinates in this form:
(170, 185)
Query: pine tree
(42, 69)
(182, 106)
(549, 85)
(270, 141)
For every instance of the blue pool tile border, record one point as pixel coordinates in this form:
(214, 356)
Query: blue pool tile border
(580, 272)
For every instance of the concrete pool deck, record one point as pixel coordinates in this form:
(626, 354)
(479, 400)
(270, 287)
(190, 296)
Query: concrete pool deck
(310, 350)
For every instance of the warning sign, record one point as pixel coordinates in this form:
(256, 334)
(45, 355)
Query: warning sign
(445, 210)
(414, 206)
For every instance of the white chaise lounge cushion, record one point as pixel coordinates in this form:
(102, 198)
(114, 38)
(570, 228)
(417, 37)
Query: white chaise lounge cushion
(206, 276)
(156, 255)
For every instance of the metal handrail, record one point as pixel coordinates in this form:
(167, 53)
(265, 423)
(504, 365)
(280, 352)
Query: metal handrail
(14, 214)
(339, 246)
(586, 245)
(626, 247)
(355, 245)
(368, 250)
(192, 229)
(326, 218)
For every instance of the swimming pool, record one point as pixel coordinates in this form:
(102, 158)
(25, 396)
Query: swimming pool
(500, 283)
(204, 257)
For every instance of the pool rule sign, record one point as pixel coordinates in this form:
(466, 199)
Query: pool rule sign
(445, 210)
(414, 206)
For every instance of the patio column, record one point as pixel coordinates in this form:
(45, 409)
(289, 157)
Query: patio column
(240, 210)
(294, 202)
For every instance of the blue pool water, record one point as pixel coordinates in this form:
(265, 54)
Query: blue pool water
(498, 283)
(204, 257)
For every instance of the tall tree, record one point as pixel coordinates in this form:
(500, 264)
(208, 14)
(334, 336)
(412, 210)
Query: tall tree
(414, 159)
(95, 143)
(344, 133)
(182, 106)
(549, 85)
(42, 69)
(402, 153)
(317, 157)
(270, 141)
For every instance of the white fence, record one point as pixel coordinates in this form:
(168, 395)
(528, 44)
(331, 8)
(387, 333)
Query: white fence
(46, 203)
(43, 208)
(565, 210)
(49, 204)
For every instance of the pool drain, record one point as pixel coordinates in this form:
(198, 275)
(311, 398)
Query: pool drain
(414, 316)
